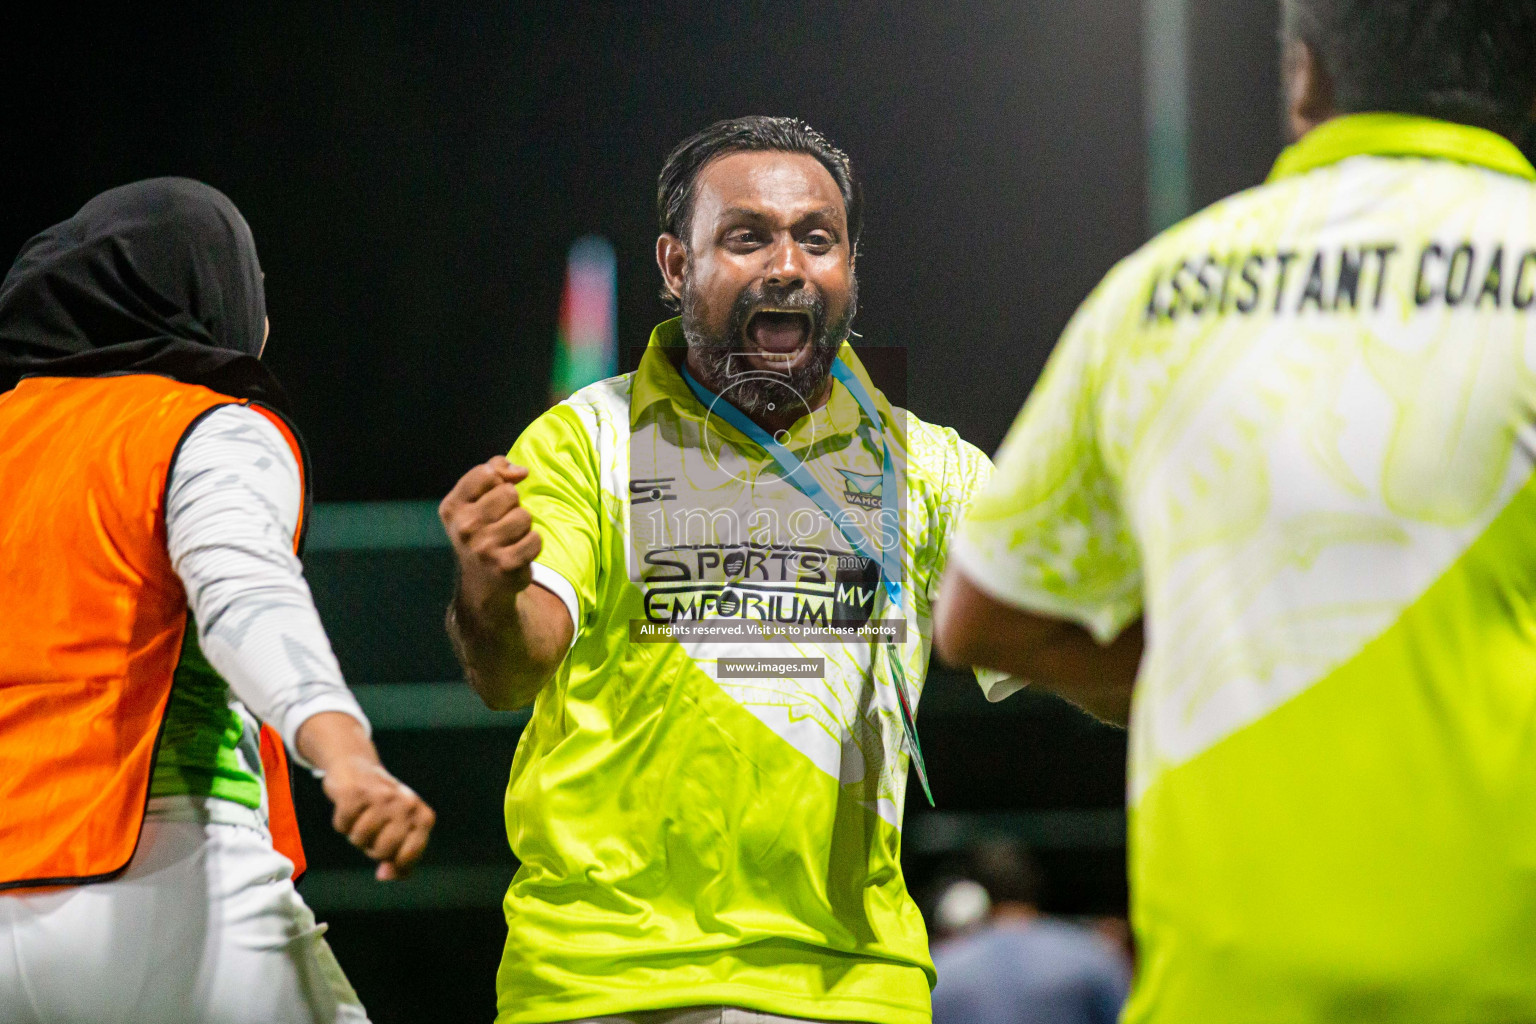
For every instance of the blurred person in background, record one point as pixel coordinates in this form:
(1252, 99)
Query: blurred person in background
(1297, 432)
(150, 482)
(1019, 966)
(698, 846)
(958, 906)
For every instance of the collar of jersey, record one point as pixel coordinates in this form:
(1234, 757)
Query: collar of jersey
(1401, 135)
(657, 380)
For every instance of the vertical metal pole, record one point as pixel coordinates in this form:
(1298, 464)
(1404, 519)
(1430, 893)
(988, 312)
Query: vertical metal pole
(1165, 57)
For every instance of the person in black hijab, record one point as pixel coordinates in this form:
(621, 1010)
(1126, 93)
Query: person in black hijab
(147, 844)
(158, 276)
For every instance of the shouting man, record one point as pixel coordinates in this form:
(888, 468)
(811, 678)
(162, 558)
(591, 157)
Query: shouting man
(713, 579)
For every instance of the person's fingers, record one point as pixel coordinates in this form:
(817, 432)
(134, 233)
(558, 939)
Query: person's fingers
(470, 486)
(344, 816)
(387, 842)
(505, 531)
(368, 825)
(491, 506)
(464, 523)
(508, 471)
(380, 815)
(476, 483)
(415, 842)
(516, 558)
(402, 841)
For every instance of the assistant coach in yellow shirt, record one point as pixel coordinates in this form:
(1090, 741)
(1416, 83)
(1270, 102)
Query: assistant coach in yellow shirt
(1298, 433)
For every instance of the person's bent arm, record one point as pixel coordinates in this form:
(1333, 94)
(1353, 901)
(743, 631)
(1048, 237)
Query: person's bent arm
(510, 633)
(973, 628)
(232, 508)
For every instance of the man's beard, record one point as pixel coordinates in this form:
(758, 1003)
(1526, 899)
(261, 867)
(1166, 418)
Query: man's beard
(757, 391)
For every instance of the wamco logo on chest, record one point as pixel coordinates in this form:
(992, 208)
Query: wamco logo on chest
(862, 489)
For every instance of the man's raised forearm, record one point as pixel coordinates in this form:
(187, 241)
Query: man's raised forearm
(508, 658)
(510, 634)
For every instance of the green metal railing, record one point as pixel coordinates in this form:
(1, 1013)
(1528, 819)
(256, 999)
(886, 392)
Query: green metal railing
(374, 526)
(403, 707)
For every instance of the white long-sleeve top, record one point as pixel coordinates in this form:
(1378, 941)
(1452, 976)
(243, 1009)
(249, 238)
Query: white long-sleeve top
(232, 507)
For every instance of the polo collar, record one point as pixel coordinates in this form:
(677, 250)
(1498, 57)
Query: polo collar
(1401, 135)
(657, 380)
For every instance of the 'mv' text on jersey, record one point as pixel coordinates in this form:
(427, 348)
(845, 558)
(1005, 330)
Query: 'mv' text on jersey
(1341, 280)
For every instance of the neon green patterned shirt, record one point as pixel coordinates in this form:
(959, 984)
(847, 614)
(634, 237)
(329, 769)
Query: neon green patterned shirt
(1297, 432)
(693, 829)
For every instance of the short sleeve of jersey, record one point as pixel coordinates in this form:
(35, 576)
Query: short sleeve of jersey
(563, 494)
(963, 471)
(958, 470)
(1048, 533)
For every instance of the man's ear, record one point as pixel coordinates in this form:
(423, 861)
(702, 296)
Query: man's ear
(672, 261)
(1309, 99)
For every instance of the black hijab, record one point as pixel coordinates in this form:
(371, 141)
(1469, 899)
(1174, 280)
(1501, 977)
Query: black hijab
(159, 276)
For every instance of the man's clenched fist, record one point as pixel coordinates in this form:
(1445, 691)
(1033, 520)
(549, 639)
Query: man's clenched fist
(509, 636)
(492, 536)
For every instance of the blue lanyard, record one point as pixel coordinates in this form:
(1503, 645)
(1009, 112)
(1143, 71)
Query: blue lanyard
(800, 478)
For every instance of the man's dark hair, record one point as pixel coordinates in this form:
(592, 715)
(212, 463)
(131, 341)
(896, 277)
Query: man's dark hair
(1007, 871)
(755, 134)
(1472, 61)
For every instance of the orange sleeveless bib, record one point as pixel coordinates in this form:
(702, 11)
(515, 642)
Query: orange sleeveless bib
(91, 619)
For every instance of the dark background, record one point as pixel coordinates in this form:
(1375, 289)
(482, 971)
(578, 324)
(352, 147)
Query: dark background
(414, 174)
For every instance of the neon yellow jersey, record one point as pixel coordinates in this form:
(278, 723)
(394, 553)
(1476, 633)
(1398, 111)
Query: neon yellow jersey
(715, 819)
(1298, 430)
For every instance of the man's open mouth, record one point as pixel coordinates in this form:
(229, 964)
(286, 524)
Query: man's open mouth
(778, 332)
